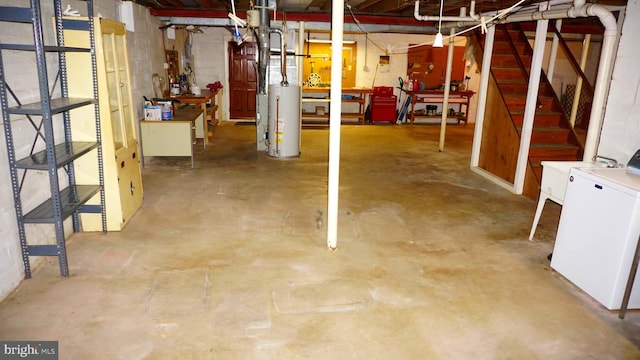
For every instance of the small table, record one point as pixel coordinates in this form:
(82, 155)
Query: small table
(205, 97)
(175, 137)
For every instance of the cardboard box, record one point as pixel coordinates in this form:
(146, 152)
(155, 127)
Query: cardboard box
(153, 113)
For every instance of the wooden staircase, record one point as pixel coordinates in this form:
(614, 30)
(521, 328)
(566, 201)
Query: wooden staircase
(552, 137)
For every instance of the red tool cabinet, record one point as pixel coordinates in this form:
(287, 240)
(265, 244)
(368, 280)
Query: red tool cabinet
(383, 104)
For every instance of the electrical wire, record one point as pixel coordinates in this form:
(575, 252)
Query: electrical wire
(440, 17)
(365, 32)
(398, 51)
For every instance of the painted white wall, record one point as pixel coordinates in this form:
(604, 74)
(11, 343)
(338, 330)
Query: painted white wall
(145, 50)
(620, 136)
(210, 60)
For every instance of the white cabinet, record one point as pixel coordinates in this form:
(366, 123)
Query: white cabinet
(598, 233)
(122, 174)
(554, 184)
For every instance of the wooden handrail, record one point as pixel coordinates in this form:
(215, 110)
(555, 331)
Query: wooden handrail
(515, 52)
(572, 60)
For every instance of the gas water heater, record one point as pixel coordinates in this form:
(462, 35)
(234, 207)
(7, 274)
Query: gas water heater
(283, 135)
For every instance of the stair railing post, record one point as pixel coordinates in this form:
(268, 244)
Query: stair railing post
(531, 105)
(482, 95)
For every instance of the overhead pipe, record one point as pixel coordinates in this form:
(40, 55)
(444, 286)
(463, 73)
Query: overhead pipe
(417, 16)
(472, 11)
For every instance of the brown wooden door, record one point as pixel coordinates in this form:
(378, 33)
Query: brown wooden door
(243, 80)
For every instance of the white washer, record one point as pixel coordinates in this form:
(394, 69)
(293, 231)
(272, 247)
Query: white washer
(598, 234)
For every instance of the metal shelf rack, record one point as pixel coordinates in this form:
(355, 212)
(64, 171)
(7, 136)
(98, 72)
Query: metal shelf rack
(55, 116)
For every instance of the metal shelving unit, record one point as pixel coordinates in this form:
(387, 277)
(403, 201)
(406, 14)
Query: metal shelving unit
(57, 155)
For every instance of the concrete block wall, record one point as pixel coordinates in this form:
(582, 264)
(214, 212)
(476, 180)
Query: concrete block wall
(146, 56)
(145, 46)
(621, 127)
(210, 60)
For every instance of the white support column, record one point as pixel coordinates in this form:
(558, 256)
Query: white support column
(300, 65)
(583, 63)
(553, 55)
(531, 105)
(300, 59)
(335, 108)
(482, 95)
(447, 87)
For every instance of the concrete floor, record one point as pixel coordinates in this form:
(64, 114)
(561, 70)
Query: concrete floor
(229, 261)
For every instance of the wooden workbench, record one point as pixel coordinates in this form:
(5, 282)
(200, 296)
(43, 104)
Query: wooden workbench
(321, 95)
(461, 98)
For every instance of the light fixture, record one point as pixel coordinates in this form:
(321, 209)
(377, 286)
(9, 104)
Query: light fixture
(322, 41)
(438, 41)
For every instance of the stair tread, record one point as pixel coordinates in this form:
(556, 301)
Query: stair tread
(549, 145)
(546, 128)
(538, 112)
(511, 81)
(505, 67)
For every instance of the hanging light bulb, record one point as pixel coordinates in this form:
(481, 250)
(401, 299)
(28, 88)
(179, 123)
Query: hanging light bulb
(438, 41)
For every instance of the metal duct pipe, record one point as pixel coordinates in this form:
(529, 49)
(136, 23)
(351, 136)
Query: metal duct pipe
(283, 57)
(263, 45)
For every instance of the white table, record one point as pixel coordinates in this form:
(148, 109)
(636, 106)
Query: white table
(554, 184)
(175, 137)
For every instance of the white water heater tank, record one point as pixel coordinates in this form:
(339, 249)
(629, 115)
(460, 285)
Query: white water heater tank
(284, 121)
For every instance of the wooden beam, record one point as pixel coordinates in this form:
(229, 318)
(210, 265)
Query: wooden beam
(320, 5)
(205, 4)
(176, 3)
(366, 5)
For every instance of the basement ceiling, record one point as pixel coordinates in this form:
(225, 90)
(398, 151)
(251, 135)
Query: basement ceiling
(367, 11)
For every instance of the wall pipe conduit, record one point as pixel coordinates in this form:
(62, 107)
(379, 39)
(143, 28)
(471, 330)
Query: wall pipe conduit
(283, 56)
